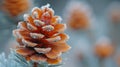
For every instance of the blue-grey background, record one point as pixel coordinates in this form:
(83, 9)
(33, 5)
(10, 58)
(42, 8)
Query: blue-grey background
(80, 41)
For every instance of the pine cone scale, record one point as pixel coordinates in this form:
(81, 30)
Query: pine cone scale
(38, 58)
(54, 61)
(25, 51)
(53, 54)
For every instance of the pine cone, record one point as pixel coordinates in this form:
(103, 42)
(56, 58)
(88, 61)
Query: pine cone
(117, 57)
(78, 20)
(41, 36)
(114, 12)
(104, 49)
(16, 7)
(78, 16)
(115, 15)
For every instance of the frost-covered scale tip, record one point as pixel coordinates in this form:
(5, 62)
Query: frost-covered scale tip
(48, 28)
(31, 27)
(59, 19)
(36, 36)
(34, 9)
(42, 50)
(46, 6)
(46, 14)
(25, 16)
(28, 43)
(54, 39)
(35, 15)
(38, 23)
(17, 34)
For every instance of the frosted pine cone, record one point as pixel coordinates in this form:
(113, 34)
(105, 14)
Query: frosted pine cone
(41, 37)
(16, 7)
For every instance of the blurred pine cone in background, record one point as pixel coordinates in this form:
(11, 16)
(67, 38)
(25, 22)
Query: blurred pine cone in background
(41, 37)
(115, 15)
(114, 12)
(16, 7)
(78, 16)
(118, 59)
(104, 48)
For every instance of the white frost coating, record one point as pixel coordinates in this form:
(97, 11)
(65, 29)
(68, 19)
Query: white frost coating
(68, 37)
(46, 6)
(16, 34)
(65, 26)
(36, 36)
(28, 43)
(48, 28)
(38, 23)
(25, 16)
(59, 19)
(56, 34)
(19, 25)
(59, 54)
(51, 10)
(35, 9)
(43, 50)
(54, 39)
(31, 27)
(35, 15)
(46, 14)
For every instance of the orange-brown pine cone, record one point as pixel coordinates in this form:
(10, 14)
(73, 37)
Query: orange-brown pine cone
(114, 12)
(78, 16)
(104, 49)
(78, 20)
(115, 15)
(16, 7)
(41, 37)
(118, 59)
